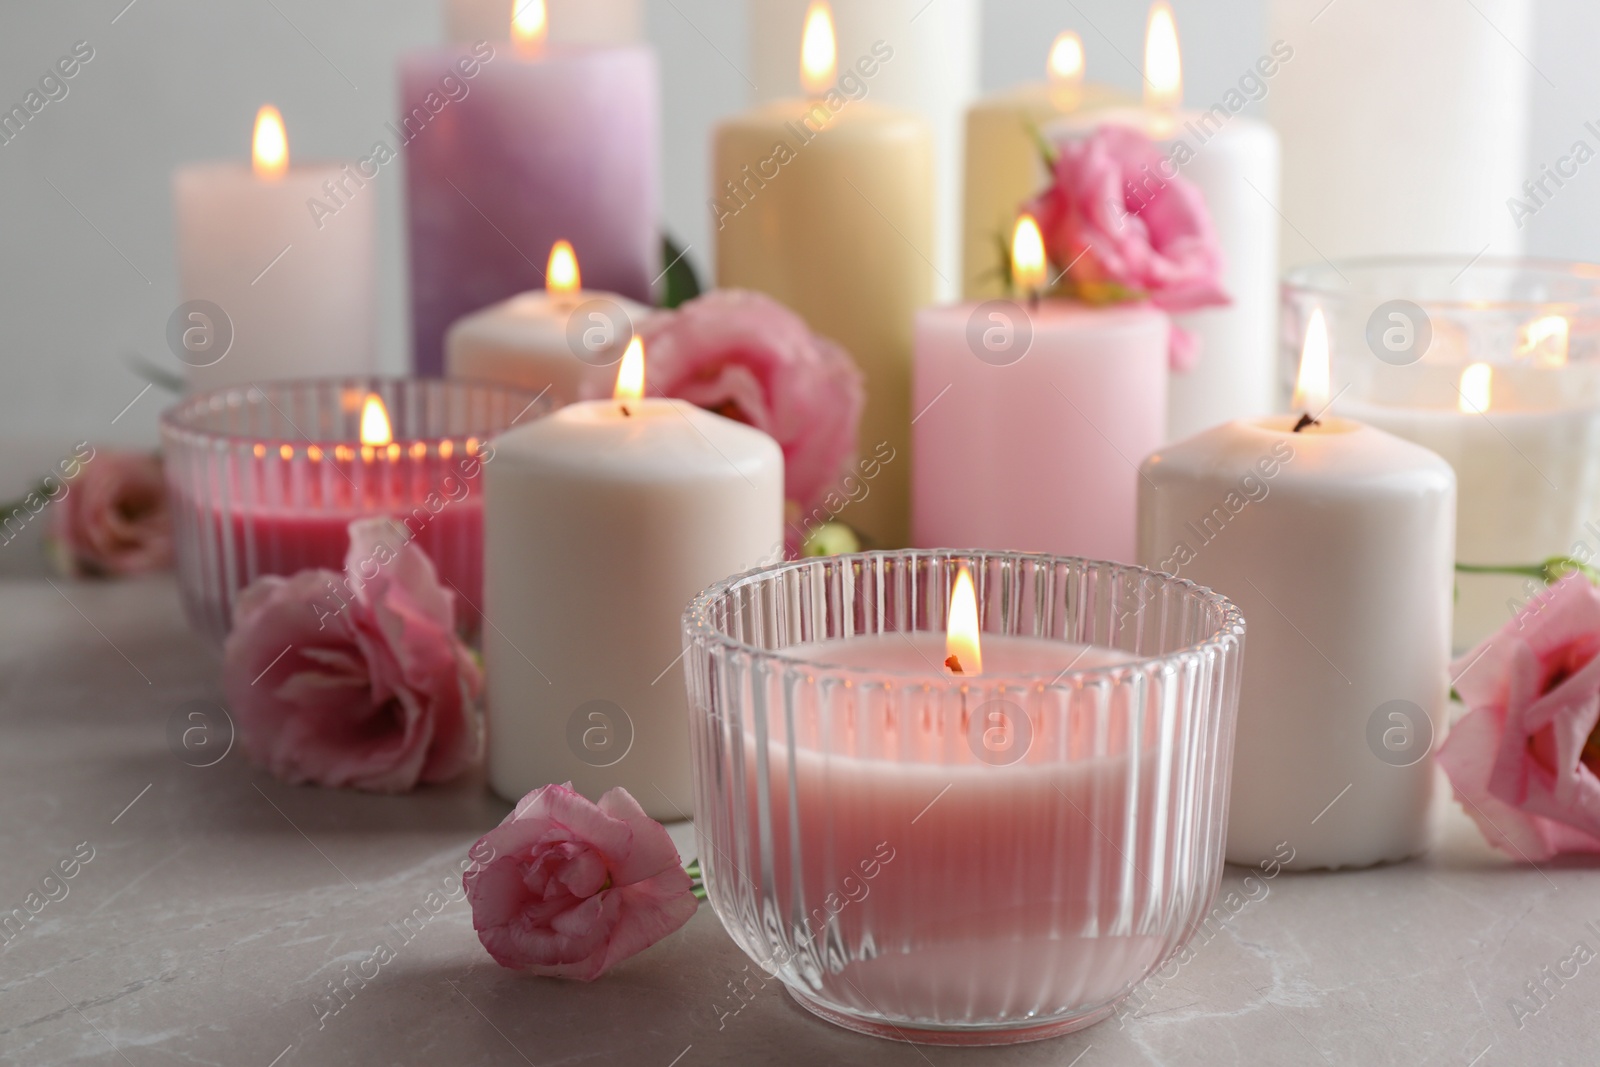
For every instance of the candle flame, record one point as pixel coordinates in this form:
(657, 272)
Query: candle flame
(819, 53)
(269, 147)
(1545, 340)
(375, 422)
(1475, 389)
(561, 275)
(1163, 65)
(1311, 388)
(961, 638)
(1066, 60)
(630, 376)
(530, 25)
(1027, 257)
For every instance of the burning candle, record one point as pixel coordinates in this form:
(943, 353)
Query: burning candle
(1338, 543)
(826, 203)
(603, 521)
(563, 338)
(1233, 160)
(979, 788)
(510, 149)
(1030, 418)
(273, 286)
(1003, 168)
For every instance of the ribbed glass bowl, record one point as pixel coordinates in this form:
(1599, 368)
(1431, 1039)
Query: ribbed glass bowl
(266, 478)
(961, 859)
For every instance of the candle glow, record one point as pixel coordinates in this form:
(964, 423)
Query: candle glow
(1545, 341)
(1311, 387)
(1475, 389)
(1027, 257)
(630, 375)
(375, 430)
(1163, 65)
(269, 146)
(530, 24)
(561, 274)
(819, 54)
(1066, 60)
(961, 636)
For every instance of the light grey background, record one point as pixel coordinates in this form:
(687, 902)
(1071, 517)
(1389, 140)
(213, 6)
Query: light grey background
(87, 268)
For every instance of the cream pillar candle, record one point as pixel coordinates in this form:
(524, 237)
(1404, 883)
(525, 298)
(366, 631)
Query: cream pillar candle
(273, 286)
(572, 22)
(603, 521)
(933, 72)
(1406, 126)
(1030, 420)
(826, 204)
(1233, 161)
(1337, 543)
(562, 341)
(1002, 167)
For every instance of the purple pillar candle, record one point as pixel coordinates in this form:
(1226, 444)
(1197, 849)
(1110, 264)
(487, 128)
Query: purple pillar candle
(508, 152)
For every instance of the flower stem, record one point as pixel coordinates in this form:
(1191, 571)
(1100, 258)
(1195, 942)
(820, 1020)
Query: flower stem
(697, 884)
(1549, 572)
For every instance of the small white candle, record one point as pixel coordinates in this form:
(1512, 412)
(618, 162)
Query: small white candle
(603, 521)
(562, 338)
(1338, 543)
(287, 254)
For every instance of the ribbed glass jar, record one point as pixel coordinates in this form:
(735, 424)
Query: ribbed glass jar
(266, 478)
(966, 859)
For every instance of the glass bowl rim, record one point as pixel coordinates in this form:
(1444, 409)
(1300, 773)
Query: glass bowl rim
(176, 420)
(698, 627)
(1312, 278)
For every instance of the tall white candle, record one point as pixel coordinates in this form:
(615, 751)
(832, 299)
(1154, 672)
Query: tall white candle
(1405, 125)
(603, 521)
(1233, 160)
(276, 266)
(933, 72)
(1338, 544)
(562, 341)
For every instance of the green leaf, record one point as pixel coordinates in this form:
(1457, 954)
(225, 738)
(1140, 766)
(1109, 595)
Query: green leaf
(1047, 151)
(682, 284)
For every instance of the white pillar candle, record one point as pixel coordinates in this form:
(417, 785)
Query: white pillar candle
(286, 254)
(562, 341)
(933, 72)
(1405, 125)
(603, 521)
(1338, 544)
(1233, 160)
(572, 22)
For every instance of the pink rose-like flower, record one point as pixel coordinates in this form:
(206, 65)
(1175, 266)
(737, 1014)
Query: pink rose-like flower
(575, 887)
(113, 520)
(746, 356)
(1525, 759)
(1117, 214)
(355, 679)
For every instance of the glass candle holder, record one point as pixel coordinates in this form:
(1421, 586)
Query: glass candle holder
(980, 858)
(266, 478)
(1495, 365)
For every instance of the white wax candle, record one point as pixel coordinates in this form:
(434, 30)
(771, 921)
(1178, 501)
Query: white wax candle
(1406, 125)
(1029, 423)
(572, 22)
(603, 521)
(1338, 545)
(289, 260)
(1233, 161)
(534, 341)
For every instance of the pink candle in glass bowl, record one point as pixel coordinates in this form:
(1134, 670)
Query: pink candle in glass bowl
(512, 147)
(982, 857)
(266, 478)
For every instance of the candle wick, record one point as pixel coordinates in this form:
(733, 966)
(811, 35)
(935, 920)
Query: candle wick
(1033, 300)
(626, 412)
(1305, 420)
(954, 664)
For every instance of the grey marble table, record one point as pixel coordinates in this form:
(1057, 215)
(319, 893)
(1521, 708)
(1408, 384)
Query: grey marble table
(219, 905)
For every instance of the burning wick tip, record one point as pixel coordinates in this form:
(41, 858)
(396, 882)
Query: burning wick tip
(1305, 420)
(954, 664)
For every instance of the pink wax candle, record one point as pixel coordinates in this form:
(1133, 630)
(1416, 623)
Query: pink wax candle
(1030, 420)
(267, 479)
(512, 148)
(951, 838)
